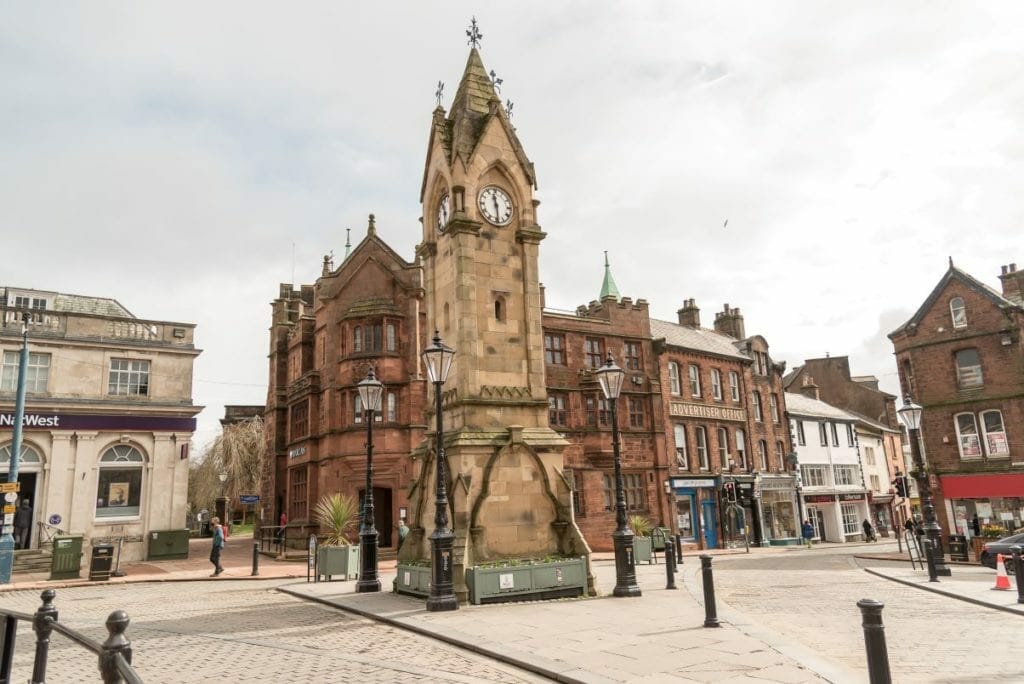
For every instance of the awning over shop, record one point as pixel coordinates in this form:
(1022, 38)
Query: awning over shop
(982, 486)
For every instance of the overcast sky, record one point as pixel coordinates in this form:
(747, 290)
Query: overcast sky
(173, 156)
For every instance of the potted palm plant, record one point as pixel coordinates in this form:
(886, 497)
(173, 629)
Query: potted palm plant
(336, 556)
(641, 538)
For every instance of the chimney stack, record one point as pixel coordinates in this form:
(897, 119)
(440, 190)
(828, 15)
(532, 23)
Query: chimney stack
(809, 389)
(689, 315)
(1013, 284)
(730, 322)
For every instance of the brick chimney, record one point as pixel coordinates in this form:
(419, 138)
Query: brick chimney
(730, 322)
(689, 315)
(809, 389)
(1013, 283)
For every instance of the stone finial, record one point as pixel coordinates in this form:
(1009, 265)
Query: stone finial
(371, 225)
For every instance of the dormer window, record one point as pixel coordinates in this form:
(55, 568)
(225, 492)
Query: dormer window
(958, 312)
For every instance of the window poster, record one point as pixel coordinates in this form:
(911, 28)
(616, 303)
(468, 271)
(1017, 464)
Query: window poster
(117, 494)
(983, 509)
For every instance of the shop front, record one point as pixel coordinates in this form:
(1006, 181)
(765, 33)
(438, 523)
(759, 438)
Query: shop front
(696, 517)
(780, 524)
(882, 512)
(997, 500)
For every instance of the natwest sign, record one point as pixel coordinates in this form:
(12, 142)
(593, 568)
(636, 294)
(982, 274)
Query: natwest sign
(85, 421)
(31, 420)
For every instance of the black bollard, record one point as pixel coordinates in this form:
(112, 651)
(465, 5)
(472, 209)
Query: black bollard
(679, 549)
(255, 559)
(874, 641)
(929, 555)
(710, 611)
(670, 567)
(1018, 572)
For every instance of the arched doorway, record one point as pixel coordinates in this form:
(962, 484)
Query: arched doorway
(30, 464)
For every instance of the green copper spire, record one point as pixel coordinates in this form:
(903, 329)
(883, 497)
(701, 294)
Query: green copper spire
(608, 287)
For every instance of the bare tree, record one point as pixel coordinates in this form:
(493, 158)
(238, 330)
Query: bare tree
(239, 453)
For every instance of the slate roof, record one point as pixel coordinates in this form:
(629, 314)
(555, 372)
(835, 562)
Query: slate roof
(70, 303)
(800, 405)
(699, 339)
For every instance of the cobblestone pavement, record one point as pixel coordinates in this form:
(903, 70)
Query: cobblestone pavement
(243, 631)
(809, 597)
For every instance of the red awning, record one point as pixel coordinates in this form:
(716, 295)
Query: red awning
(982, 486)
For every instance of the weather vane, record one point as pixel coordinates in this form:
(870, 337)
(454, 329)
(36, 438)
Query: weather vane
(439, 92)
(474, 34)
(496, 81)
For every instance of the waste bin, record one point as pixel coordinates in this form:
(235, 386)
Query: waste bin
(958, 547)
(66, 562)
(168, 545)
(101, 562)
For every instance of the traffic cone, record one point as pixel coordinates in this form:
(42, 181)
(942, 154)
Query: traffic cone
(1002, 581)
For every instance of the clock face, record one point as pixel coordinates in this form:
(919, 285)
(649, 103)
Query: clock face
(495, 205)
(443, 212)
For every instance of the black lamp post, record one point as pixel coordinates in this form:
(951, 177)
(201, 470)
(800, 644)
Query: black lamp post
(438, 360)
(910, 414)
(611, 376)
(370, 392)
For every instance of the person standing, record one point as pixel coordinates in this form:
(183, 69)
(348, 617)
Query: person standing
(403, 532)
(807, 533)
(22, 524)
(869, 531)
(976, 525)
(216, 546)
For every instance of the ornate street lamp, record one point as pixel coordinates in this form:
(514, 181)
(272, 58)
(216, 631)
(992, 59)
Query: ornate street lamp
(910, 414)
(438, 360)
(370, 392)
(611, 376)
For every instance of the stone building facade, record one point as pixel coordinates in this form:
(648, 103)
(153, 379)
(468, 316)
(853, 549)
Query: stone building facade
(108, 417)
(960, 356)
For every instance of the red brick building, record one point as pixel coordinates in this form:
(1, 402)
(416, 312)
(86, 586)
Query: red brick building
(575, 345)
(324, 339)
(725, 423)
(960, 357)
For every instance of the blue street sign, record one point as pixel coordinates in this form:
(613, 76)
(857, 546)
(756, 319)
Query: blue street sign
(249, 498)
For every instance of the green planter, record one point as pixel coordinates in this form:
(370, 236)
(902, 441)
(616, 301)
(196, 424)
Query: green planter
(413, 580)
(566, 577)
(642, 549)
(338, 561)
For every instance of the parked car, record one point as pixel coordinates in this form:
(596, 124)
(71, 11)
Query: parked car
(1002, 546)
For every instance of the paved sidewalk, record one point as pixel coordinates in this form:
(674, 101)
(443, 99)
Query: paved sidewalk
(656, 637)
(236, 560)
(972, 583)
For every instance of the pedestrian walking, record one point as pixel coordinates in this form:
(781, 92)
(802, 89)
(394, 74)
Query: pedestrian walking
(282, 522)
(869, 531)
(403, 532)
(807, 533)
(22, 524)
(976, 525)
(216, 546)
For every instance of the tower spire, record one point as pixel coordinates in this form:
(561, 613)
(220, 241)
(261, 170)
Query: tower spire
(608, 287)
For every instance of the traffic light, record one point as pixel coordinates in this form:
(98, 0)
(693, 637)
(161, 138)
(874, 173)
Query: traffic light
(901, 486)
(730, 492)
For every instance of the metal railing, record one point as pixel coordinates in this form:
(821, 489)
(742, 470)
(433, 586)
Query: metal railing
(114, 654)
(46, 534)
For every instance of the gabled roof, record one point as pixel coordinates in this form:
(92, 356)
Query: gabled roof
(953, 273)
(798, 404)
(699, 339)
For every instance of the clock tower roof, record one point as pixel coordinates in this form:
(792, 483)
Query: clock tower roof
(476, 103)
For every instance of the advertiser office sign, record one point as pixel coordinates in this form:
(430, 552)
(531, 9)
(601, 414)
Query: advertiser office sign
(82, 421)
(684, 410)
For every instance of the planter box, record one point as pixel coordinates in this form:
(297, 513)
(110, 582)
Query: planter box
(413, 580)
(338, 561)
(565, 578)
(642, 547)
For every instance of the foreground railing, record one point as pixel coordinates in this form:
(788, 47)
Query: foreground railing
(114, 654)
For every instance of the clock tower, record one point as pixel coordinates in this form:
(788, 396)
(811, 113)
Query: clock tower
(508, 497)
